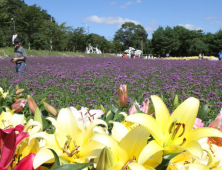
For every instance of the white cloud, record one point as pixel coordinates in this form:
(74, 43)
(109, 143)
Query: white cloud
(209, 18)
(126, 4)
(191, 27)
(219, 22)
(150, 27)
(112, 3)
(110, 20)
(138, 1)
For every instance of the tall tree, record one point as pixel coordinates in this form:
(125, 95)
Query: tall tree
(131, 35)
(30, 20)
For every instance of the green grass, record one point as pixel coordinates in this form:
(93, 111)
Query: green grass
(9, 52)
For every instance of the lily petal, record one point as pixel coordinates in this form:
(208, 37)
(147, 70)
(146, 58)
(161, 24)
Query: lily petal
(50, 139)
(185, 113)
(89, 128)
(67, 125)
(109, 142)
(119, 131)
(136, 166)
(150, 149)
(8, 150)
(152, 126)
(196, 167)
(161, 112)
(45, 155)
(27, 163)
(138, 138)
(191, 146)
(203, 132)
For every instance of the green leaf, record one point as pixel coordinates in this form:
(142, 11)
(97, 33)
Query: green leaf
(166, 160)
(112, 108)
(43, 100)
(10, 89)
(102, 108)
(12, 93)
(57, 163)
(72, 166)
(38, 116)
(202, 113)
(151, 109)
(109, 117)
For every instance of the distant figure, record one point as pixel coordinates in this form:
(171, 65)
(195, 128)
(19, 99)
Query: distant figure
(220, 55)
(200, 56)
(132, 55)
(19, 57)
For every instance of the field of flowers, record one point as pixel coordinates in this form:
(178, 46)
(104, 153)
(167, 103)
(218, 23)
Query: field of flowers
(111, 114)
(90, 82)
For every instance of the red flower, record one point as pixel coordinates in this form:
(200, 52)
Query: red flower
(9, 140)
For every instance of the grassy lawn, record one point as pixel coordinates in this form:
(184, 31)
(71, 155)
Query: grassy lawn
(9, 52)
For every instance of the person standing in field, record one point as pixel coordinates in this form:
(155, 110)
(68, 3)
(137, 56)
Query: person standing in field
(19, 57)
(220, 55)
(200, 56)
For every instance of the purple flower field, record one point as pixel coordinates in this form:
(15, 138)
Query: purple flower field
(92, 81)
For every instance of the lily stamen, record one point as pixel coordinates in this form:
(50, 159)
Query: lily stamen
(171, 127)
(183, 130)
(10, 126)
(130, 161)
(176, 130)
(184, 140)
(66, 147)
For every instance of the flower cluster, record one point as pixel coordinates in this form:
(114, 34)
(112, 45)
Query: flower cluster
(146, 139)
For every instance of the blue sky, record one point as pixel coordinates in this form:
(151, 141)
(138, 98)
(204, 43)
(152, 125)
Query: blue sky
(104, 17)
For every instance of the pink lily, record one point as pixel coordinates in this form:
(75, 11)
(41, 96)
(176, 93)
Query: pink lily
(9, 140)
(19, 105)
(123, 95)
(27, 163)
(217, 124)
(198, 123)
(144, 109)
(85, 115)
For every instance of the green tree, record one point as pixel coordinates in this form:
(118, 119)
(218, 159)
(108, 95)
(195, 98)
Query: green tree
(30, 19)
(131, 35)
(157, 41)
(217, 43)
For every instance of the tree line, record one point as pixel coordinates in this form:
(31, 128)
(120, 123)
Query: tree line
(39, 30)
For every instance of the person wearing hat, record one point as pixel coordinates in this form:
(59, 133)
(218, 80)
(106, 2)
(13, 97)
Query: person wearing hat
(19, 57)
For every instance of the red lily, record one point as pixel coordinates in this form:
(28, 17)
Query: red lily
(26, 163)
(9, 140)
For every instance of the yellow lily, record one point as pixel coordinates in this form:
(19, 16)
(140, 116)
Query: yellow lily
(127, 146)
(2, 93)
(173, 133)
(69, 141)
(211, 158)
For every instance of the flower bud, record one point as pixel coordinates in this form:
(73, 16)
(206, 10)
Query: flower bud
(32, 104)
(19, 105)
(123, 95)
(50, 109)
(106, 160)
(19, 91)
(175, 101)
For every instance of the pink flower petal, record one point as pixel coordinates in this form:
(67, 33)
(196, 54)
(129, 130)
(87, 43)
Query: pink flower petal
(27, 163)
(198, 123)
(145, 106)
